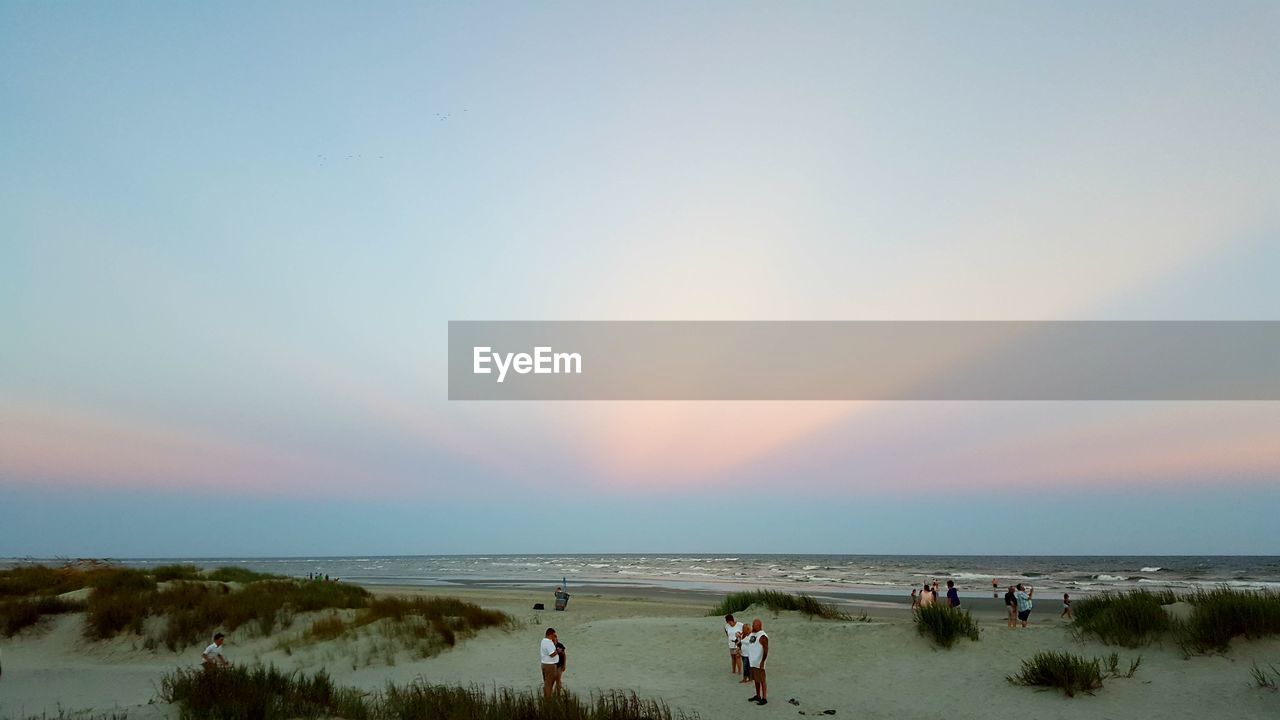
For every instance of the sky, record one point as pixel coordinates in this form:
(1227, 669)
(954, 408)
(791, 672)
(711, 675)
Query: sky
(232, 236)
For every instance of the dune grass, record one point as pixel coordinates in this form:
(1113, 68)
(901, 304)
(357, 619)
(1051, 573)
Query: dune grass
(1267, 677)
(266, 693)
(778, 601)
(944, 624)
(1069, 673)
(1220, 615)
(1128, 619)
(426, 626)
(17, 614)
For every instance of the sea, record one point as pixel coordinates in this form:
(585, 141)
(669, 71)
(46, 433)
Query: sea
(815, 574)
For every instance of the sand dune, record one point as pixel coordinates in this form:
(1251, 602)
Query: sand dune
(666, 647)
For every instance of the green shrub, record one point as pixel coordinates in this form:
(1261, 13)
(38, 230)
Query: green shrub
(20, 613)
(269, 694)
(944, 624)
(777, 602)
(1129, 619)
(165, 573)
(240, 575)
(1220, 615)
(1069, 673)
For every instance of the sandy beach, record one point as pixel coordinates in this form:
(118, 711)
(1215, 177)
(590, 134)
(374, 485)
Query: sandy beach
(661, 644)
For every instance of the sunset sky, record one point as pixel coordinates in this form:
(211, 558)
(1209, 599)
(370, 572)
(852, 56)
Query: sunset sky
(231, 238)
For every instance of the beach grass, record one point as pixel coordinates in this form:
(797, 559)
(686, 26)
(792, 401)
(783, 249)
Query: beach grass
(1069, 673)
(266, 693)
(1128, 619)
(1220, 615)
(778, 601)
(944, 624)
(424, 625)
(17, 614)
(1267, 677)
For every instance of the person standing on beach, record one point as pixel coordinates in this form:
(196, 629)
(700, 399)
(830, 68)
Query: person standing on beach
(915, 599)
(758, 652)
(731, 629)
(953, 595)
(1023, 596)
(549, 658)
(744, 635)
(926, 596)
(212, 656)
(995, 588)
(1011, 604)
(1066, 607)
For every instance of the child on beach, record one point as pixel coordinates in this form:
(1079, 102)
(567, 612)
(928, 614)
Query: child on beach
(744, 637)
(915, 599)
(1066, 607)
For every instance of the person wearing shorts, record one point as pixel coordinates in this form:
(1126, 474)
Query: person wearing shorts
(1011, 604)
(758, 653)
(549, 658)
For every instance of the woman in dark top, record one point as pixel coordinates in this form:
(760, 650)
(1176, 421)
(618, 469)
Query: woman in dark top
(1011, 604)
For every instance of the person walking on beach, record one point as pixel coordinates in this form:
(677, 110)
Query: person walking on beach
(926, 596)
(995, 588)
(549, 658)
(212, 656)
(953, 595)
(758, 652)
(731, 629)
(1066, 607)
(1011, 604)
(915, 598)
(1023, 596)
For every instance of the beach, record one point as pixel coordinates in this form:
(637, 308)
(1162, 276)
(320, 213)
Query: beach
(660, 643)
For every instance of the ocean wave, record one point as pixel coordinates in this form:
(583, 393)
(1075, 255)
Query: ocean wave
(1152, 569)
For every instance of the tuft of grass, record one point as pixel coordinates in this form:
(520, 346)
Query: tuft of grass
(327, 628)
(1218, 616)
(778, 601)
(1128, 619)
(1265, 677)
(265, 693)
(1071, 673)
(945, 625)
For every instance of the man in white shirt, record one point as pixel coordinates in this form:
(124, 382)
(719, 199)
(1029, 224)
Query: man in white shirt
(757, 653)
(549, 658)
(212, 655)
(731, 629)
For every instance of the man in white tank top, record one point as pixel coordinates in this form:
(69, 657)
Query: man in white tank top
(757, 646)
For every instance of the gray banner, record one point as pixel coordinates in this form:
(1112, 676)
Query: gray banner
(606, 360)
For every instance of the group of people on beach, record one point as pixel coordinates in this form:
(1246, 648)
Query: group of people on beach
(748, 655)
(928, 595)
(1018, 600)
